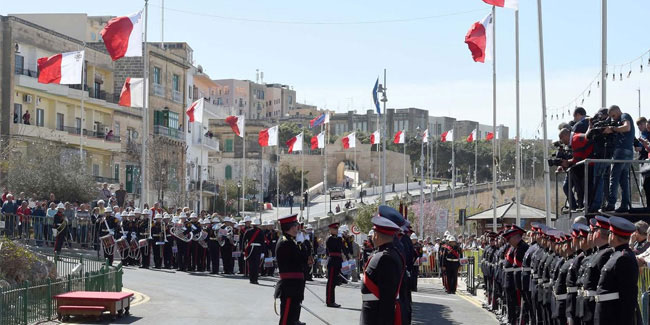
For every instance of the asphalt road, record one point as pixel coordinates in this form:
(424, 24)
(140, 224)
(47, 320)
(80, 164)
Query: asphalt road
(196, 298)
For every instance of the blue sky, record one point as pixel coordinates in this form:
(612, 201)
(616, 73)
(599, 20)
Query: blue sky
(429, 66)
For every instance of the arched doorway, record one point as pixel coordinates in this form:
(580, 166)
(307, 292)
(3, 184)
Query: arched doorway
(346, 170)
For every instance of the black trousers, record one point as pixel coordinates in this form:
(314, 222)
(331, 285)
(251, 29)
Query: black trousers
(253, 266)
(511, 303)
(289, 310)
(452, 278)
(242, 264)
(228, 262)
(193, 255)
(58, 241)
(167, 254)
(181, 254)
(333, 272)
(213, 248)
(646, 188)
(199, 257)
(144, 253)
(157, 255)
(414, 278)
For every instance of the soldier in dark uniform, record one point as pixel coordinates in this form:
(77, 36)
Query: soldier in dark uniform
(60, 224)
(579, 235)
(144, 228)
(158, 241)
(593, 269)
(498, 264)
(227, 246)
(559, 282)
(334, 251)
(417, 251)
(527, 310)
(616, 299)
(514, 238)
(535, 261)
(451, 263)
(510, 291)
(547, 275)
(107, 227)
(167, 250)
(488, 274)
(213, 245)
(182, 252)
(291, 287)
(242, 231)
(589, 249)
(253, 247)
(382, 280)
(368, 249)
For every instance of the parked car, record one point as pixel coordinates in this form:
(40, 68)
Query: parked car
(337, 193)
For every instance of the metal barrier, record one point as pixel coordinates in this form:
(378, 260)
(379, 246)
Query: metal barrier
(37, 230)
(471, 278)
(33, 302)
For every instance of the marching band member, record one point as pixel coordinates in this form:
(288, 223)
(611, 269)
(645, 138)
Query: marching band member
(158, 240)
(227, 245)
(253, 246)
(213, 244)
(144, 228)
(60, 227)
(291, 287)
(334, 250)
(195, 227)
(107, 227)
(168, 246)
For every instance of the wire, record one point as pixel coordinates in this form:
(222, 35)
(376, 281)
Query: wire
(298, 22)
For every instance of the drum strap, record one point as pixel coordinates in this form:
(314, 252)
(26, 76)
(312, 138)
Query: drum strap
(257, 232)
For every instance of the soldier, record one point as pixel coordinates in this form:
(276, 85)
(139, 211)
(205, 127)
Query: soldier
(382, 280)
(451, 263)
(60, 228)
(547, 275)
(306, 249)
(488, 274)
(291, 287)
(130, 228)
(107, 227)
(227, 245)
(156, 233)
(213, 245)
(579, 237)
(244, 225)
(417, 249)
(368, 249)
(536, 270)
(167, 249)
(559, 283)
(590, 249)
(310, 242)
(616, 299)
(520, 247)
(253, 247)
(527, 310)
(593, 269)
(144, 228)
(193, 257)
(334, 250)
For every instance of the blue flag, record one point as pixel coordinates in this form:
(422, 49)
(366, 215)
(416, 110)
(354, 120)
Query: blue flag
(375, 91)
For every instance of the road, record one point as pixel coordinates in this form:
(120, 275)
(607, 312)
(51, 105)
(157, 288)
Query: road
(194, 298)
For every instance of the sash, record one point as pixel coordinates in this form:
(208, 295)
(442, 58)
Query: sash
(374, 289)
(257, 232)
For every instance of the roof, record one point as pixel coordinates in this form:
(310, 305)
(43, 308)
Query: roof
(509, 211)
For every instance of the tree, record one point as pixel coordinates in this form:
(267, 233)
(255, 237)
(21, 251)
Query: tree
(164, 174)
(51, 168)
(290, 179)
(289, 130)
(366, 212)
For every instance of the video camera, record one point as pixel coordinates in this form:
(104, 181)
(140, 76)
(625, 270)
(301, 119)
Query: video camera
(562, 153)
(598, 124)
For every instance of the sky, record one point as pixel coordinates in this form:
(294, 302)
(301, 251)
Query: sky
(332, 52)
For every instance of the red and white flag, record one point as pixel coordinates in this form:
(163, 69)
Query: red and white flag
(479, 39)
(236, 123)
(132, 94)
(195, 111)
(295, 143)
(489, 136)
(123, 36)
(375, 138)
(447, 136)
(472, 136)
(318, 141)
(268, 137)
(349, 141)
(400, 137)
(63, 68)
(425, 136)
(512, 4)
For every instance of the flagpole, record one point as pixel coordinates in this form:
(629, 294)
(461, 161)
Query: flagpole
(422, 184)
(302, 173)
(83, 98)
(603, 50)
(518, 140)
(327, 140)
(145, 113)
(277, 177)
(404, 156)
(453, 175)
(383, 141)
(475, 165)
(200, 167)
(494, 122)
(378, 155)
(262, 180)
(547, 178)
(243, 180)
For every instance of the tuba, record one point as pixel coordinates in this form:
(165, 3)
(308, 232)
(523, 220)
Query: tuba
(200, 239)
(179, 233)
(225, 234)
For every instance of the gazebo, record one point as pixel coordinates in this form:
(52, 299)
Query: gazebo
(507, 214)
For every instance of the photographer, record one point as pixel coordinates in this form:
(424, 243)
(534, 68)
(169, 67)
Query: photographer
(581, 148)
(603, 149)
(580, 121)
(623, 150)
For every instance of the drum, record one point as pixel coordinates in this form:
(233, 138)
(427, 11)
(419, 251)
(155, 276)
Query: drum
(108, 241)
(133, 245)
(268, 262)
(142, 243)
(122, 244)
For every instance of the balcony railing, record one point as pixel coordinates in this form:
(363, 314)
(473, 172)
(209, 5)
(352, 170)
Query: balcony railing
(177, 96)
(168, 132)
(26, 72)
(102, 179)
(158, 90)
(91, 134)
(103, 95)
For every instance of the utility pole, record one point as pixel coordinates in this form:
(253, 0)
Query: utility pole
(383, 132)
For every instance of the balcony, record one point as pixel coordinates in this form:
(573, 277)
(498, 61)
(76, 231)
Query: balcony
(168, 132)
(26, 72)
(92, 134)
(103, 95)
(158, 90)
(102, 179)
(67, 135)
(177, 96)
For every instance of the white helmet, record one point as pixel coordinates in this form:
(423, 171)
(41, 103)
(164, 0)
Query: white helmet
(414, 236)
(100, 202)
(447, 234)
(146, 211)
(256, 222)
(193, 215)
(247, 219)
(137, 211)
(158, 216)
(107, 210)
(451, 238)
(182, 215)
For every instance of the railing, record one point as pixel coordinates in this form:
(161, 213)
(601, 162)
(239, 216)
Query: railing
(91, 134)
(471, 279)
(177, 96)
(37, 230)
(168, 132)
(28, 303)
(158, 90)
(26, 72)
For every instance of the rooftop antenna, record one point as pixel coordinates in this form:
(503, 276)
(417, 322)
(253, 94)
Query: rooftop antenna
(257, 75)
(262, 77)
(162, 25)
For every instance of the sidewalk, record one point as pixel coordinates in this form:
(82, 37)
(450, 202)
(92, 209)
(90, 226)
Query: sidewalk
(478, 299)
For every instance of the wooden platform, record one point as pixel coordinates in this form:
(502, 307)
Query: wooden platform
(78, 303)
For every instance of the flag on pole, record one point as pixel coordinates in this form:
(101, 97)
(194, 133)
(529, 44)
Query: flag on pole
(489, 136)
(479, 39)
(236, 123)
(375, 137)
(425, 136)
(268, 137)
(323, 118)
(512, 4)
(349, 141)
(375, 96)
(63, 68)
(295, 143)
(400, 137)
(472, 136)
(123, 36)
(318, 141)
(195, 111)
(447, 136)
(132, 93)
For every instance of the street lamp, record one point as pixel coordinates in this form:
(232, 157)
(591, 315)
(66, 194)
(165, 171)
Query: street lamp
(238, 199)
(407, 183)
(330, 195)
(291, 202)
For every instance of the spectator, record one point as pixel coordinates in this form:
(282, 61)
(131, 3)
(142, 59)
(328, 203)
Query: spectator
(83, 220)
(338, 208)
(5, 191)
(639, 147)
(105, 193)
(9, 208)
(109, 135)
(581, 124)
(53, 200)
(640, 237)
(49, 214)
(101, 207)
(39, 221)
(623, 150)
(23, 212)
(120, 195)
(26, 117)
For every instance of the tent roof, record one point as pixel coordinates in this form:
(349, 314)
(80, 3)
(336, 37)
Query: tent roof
(509, 211)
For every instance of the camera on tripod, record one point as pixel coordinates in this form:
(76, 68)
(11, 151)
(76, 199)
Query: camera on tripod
(562, 153)
(599, 124)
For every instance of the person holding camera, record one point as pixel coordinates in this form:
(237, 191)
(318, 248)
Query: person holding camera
(623, 150)
(603, 149)
(581, 148)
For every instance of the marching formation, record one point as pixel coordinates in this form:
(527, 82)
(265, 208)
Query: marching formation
(545, 276)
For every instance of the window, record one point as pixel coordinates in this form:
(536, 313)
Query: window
(20, 64)
(228, 172)
(116, 129)
(95, 170)
(290, 99)
(228, 145)
(176, 83)
(40, 117)
(18, 113)
(156, 76)
(117, 172)
(77, 125)
(59, 121)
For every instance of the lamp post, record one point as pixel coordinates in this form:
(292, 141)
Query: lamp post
(329, 192)
(291, 202)
(238, 199)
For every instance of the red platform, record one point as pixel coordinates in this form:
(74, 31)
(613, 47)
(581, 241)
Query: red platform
(93, 302)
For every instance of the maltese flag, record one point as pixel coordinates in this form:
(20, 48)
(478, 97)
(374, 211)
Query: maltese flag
(195, 111)
(236, 123)
(425, 136)
(400, 137)
(123, 36)
(512, 4)
(349, 141)
(268, 137)
(295, 143)
(479, 40)
(132, 94)
(318, 141)
(63, 68)
(489, 136)
(375, 137)
(472, 136)
(447, 136)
